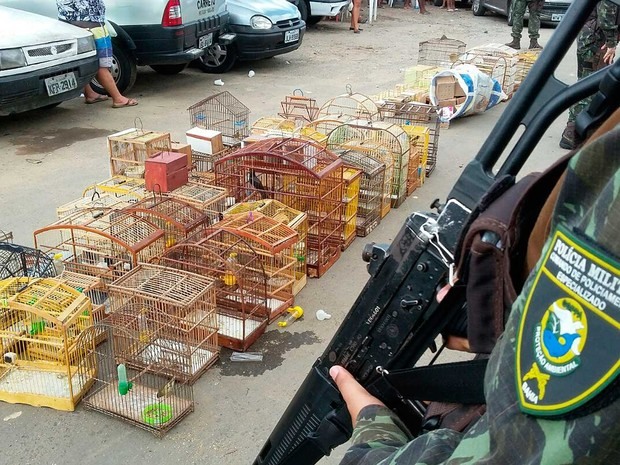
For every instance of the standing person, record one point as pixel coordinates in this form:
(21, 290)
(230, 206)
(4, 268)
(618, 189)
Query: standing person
(533, 23)
(596, 48)
(355, 16)
(422, 7)
(90, 15)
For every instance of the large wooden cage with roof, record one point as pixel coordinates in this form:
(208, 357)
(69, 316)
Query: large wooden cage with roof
(105, 243)
(302, 175)
(46, 360)
(240, 287)
(222, 112)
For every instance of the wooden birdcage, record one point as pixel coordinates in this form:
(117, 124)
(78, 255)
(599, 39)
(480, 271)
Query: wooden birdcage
(350, 104)
(416, 115)
(326, 124)
(103, 243)
(419, 76)
(294, 219)
(266, 124)
(147, 397)
(129, 149)
(525, 62)
(224, 113)
(495, 60)
(176, 218)
(302, 175)
(273, 242)
(419, 143)
(352, 177)
(440, 52)
(203, 163)
(46, 361)
(118, 186)
(371, 189)
(96, 200)
(240, 287)
(175, 313)
(207, 198)
(11, 286)
(296, 107)
(415, 173)
(17, 261)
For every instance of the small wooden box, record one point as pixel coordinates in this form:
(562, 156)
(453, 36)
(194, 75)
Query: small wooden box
(166, 171)
(183, 148)
(205, 140)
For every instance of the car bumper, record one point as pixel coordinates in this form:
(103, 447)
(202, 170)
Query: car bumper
(553, 13)
(27, 91)
(327, 7)
(253, 44)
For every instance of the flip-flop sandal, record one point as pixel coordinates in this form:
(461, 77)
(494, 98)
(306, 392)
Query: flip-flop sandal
(358, 29)
(97, 99)
(130, 103)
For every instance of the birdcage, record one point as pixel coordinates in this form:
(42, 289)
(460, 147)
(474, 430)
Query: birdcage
(176, 218)
(224, 113)
(295, 219)
(390, 136)
(147, 397)
(297, 107)
(96, 200)
(525, 62)
(273, 242)
(440, 52)
(371, 189)
(416, 115)
(11, 286)
(240, 286)
(45, 360)
(203, 163)
(350, 104)
(176, 313)
(208, 199)
(263, 125)
(495, 60)
(6, 236)
(129, 149)
(326, 124)
(415, 170)
(17, 261)
(352, 179)
(119, 186)
(103, 243)
(302, 175)
(419, 143)
(420, 76)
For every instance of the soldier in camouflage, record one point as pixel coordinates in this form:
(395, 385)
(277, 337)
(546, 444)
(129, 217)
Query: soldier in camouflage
(596, 48)
(533, 23)
(552, 383)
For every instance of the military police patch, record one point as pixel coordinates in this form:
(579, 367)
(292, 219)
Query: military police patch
(568, 341)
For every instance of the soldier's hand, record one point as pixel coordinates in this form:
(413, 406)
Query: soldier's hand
(610, 54)
(352, 392)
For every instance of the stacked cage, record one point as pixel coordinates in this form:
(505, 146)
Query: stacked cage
(294, 219)
(351, 105)
(146, 396)
(17, 261)
(240, 286)
(352, 179)
(302, 175)
(371, 190)
(224, 113)
(525, 62)
(96, 201)
(176, 218)
(47, 360)
(130, 148)
(416, 115)
(442, 52)
(119, 186)
(296, 107)
(174, 313)
(495, 60)
(210, 200)
(273, 242)
(268, 125)
(203, 163)
(102, 243)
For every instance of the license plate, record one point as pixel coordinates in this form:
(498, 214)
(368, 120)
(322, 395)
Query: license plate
(291, 36)
(205, 41)
(58, 84)
(556, 18)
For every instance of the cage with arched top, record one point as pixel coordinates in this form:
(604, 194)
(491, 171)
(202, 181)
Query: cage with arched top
(146, 396)
(18, 260)
(495, 60)
(207, 198)
(440, 51)
(96, 200)
(352, 177)
(302, 175)
(326, 124)
(45, 361)
(273, 242)
(240, 286)
(222, 112)
(351, 104)
(178, 311)
(176, 218)
(294, 219)
(371, 189)
(130, 148)
(105, 243)
(118, 186)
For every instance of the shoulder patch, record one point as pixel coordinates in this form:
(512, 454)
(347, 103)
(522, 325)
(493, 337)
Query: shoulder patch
(568, 343)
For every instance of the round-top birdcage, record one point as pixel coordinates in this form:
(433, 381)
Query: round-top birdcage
(17, 261)
(353, 105)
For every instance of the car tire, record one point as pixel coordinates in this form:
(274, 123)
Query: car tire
(304, 10)
(124, 71)
(510, 15)
(312, 20)
(477, 9)
(169, 70)
(218, 59)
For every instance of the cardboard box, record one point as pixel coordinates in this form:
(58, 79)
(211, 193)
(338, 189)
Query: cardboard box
(183, 148)
(461, 100)
(444, 87)
(446, 103)
(458, 90)
(205, 140)
(165, 171)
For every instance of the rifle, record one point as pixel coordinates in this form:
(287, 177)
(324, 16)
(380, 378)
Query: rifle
(396, 317)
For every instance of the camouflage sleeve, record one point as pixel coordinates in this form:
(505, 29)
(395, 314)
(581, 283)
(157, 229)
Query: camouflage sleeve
(606, 12)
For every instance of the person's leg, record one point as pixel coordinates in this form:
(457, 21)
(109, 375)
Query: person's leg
(518, 12)
(355, 15)
(422, 6)
(533, 24)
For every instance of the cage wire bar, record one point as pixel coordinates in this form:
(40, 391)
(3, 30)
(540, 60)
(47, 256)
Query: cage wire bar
(146, 397)
(440, 52)
(302, 175)
(129, 149)
(45, 360)
(118, 186)
(18, 260)
(353, 105)
(352, 178)
(96, 200)
(175, 311)
(101, 243)
(224, 113)
(495, 60)
(209, 199)
(299, 108)
(240, 287)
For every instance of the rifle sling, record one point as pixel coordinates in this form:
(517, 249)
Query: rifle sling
(457, 382)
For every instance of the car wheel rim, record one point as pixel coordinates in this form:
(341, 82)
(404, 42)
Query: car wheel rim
(475, 6)
(115, 71)
(215, 56)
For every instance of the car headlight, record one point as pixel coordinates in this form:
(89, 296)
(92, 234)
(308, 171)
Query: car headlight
(260, 22)
(12, 58)
(85, 44)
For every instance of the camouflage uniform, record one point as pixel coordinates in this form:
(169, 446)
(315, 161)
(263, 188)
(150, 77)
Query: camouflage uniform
(533, 23)
(588, 205)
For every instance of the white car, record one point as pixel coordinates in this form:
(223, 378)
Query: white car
(43, 62)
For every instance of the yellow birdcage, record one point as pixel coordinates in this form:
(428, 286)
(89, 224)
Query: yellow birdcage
(352, 177)
(118, 186)
(96, 200)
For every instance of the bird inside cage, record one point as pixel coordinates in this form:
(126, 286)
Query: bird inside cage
(255, 181)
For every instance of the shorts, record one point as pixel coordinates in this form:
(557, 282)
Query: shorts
(103, 44)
